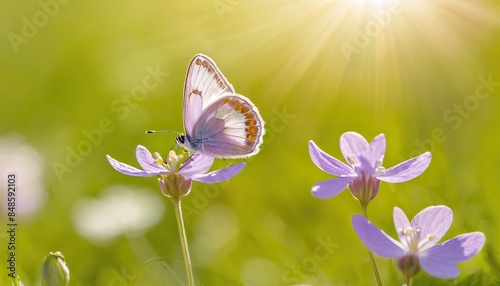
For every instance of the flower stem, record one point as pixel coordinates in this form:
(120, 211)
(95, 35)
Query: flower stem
(374, 266)
(407, 280)
(182, 234)
(370, 253)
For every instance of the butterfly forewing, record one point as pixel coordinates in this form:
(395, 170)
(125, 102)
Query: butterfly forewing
(218, 122)
(204, 85)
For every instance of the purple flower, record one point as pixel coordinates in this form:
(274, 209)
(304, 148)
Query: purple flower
(365, 171)
(418, 248)
(175, 180)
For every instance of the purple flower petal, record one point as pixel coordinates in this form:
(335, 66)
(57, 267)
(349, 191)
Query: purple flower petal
(327, 163)
(147, 162)
(375, 152)
(127, 169)
(330, 188)
(376, 240)
(196, 164)
(439, 269)
(434, 221)
(367, 167)
(352, 143)
(439, 261)
(401, 222)
(220, 175)
(407, 170)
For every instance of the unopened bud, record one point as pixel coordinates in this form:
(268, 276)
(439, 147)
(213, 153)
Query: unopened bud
(174, 185)
(409, 265)
(55, 272)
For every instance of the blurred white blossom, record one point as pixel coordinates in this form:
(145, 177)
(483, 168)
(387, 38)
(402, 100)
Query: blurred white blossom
(20, 158)
(121, 210)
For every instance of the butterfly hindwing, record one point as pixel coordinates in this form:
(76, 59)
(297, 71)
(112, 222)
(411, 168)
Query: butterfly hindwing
(230, 127)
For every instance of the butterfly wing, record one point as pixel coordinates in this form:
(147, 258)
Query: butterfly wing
(204, 85)
(230, 127)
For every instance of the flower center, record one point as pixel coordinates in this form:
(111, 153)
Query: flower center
(172, 160)
(353, 160)
(413, 241)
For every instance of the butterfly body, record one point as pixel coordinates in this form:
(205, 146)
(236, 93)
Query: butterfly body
(218, 122)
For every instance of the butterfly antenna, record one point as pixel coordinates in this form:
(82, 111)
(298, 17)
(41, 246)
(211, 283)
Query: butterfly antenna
(162, 131)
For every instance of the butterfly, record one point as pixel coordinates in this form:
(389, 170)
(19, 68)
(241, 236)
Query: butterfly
(217, 121)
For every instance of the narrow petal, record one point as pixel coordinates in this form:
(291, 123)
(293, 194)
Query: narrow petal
(147, 162)
(401, 222)
(439, 261)
(127, 169)
(378, 146)
(367, 167)
(352, 143)
(375, 239)
(220, 175)
(434, 221)
(407, 170)
(196, 165)
(330, 188)
(327, 163)
(375, 152)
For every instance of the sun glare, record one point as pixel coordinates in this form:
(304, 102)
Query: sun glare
(375, 50)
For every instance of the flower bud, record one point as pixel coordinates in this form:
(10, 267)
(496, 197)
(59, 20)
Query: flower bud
(174, 185)
(409, 265)
(55, 272)
(364, 188)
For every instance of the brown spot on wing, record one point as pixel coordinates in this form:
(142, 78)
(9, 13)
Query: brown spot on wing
(252, 129)
(250, 123)
(251, 137)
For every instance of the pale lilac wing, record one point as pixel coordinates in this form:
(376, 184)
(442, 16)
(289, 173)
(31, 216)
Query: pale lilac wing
(231, 127)
(204, 85)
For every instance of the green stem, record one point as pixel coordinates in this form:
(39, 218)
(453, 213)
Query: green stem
(182, 234)
(370, 253)
(407, 279)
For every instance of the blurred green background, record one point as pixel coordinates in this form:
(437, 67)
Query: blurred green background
(413, 70)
